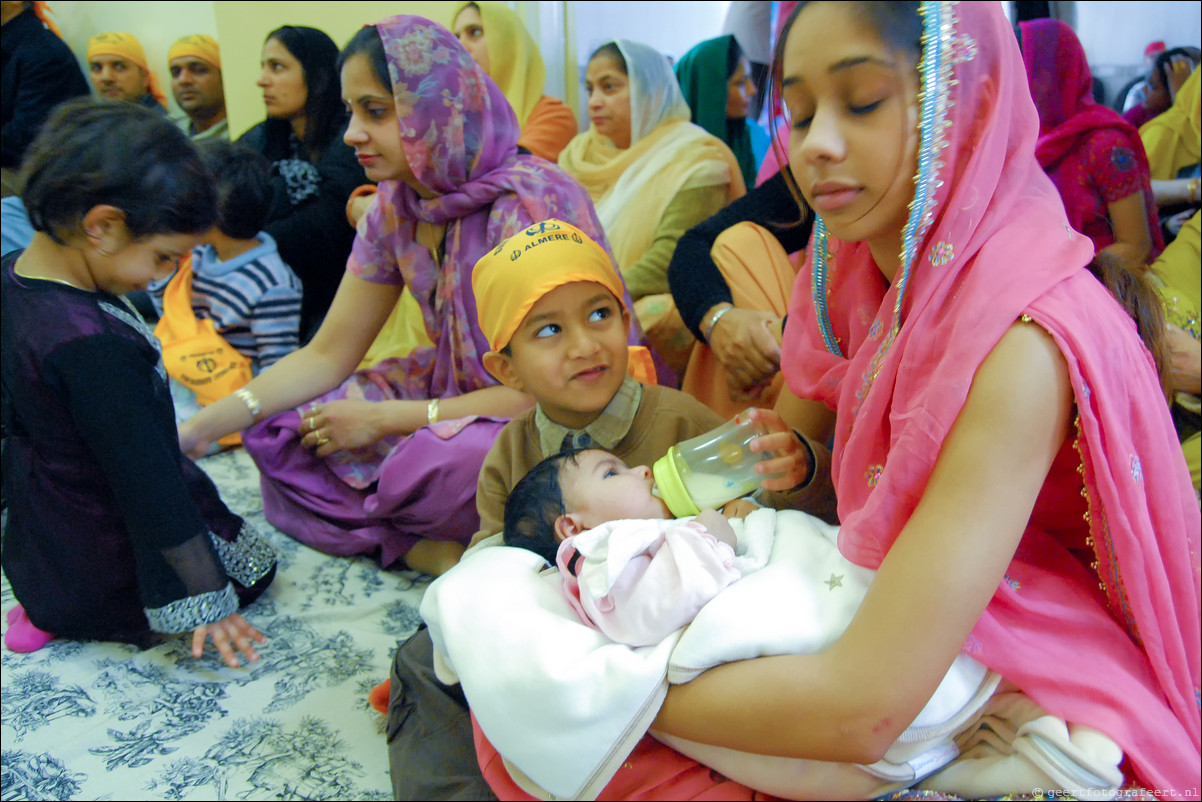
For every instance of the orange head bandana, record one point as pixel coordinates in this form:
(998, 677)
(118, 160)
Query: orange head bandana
(508, 280)
(197, 45)
(124, 45)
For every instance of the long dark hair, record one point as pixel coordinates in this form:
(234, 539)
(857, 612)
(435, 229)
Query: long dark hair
(325, 117)
(91, 153)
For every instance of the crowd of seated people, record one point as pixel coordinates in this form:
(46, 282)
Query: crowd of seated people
(963, 296)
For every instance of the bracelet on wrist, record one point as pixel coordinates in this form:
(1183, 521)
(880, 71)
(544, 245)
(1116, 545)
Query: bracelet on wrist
(813, 461)
(714, 321)
(364, 191)
(432, 412)
(252, 403)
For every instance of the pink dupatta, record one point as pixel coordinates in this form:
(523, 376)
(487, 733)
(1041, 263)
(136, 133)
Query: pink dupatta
(1116, 647)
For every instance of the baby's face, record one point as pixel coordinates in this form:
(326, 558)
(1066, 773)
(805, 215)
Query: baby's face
(599, 487)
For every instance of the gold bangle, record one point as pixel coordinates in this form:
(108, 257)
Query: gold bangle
(432, 412)
(252, 403)
(1193, 190)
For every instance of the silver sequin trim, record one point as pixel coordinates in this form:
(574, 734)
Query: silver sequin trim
(247, 559)
(189, 613)
(301, 179)
(131, 318)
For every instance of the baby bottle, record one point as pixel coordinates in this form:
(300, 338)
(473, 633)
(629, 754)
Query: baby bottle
(706, 472)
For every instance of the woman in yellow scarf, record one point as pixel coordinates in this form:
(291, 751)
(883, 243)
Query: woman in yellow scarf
(1176, 273)
(652, 176)
(1173, 142)
(1172, 139)
(498, 41)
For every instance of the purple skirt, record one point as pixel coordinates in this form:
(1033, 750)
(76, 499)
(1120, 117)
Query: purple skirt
(424, 486)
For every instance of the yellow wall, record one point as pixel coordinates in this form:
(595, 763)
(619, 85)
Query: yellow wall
(155, 24)
(242, 27)
(239, 26)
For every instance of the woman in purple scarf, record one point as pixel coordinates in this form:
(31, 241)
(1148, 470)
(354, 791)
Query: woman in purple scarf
(388, 458)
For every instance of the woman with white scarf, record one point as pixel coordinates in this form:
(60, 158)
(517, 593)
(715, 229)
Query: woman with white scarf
(652, 175)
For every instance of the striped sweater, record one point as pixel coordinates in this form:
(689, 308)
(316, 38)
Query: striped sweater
(254, 300)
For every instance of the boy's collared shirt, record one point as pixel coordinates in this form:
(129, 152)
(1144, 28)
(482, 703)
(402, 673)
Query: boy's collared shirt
(605, 432)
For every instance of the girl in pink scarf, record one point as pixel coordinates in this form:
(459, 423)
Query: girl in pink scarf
(1002, 453)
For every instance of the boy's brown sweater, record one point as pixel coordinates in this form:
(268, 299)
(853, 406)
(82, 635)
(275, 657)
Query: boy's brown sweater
(664, 418)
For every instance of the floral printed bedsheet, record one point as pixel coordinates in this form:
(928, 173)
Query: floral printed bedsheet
(109, 721)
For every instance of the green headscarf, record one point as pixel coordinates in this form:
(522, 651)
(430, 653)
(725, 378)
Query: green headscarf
(703, 73)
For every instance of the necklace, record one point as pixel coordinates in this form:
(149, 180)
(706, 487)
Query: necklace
(48, 278)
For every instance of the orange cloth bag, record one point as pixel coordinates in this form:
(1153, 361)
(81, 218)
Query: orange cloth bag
(194, 354)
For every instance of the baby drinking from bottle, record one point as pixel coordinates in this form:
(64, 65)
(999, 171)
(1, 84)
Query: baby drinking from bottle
(629, 567)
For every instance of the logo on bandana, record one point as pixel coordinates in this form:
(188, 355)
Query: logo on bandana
(541, 228)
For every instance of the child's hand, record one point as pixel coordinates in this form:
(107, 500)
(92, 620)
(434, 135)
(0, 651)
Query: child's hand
(716, 524)
(791, 459)
(191, 443)
(232, 629)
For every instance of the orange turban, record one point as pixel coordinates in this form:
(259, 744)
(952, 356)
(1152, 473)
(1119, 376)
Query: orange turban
(197, 45)
(126, 46)
(508, 280)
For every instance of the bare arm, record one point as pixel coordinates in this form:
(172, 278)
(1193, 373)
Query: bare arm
(852, 701)
(352, 424)
(355, 317)
(1129, 222)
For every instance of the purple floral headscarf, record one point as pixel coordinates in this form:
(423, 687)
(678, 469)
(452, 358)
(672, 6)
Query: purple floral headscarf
(459, 135)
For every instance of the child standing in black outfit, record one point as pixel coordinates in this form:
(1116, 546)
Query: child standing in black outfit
(112, 533)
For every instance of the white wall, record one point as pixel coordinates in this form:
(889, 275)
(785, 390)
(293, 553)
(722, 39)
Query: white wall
(1114, 33)
(670, 27)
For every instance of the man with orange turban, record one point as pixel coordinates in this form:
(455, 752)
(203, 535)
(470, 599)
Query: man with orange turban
(195, 65)
(119, 71)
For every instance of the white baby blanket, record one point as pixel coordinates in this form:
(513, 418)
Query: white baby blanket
(564, 705)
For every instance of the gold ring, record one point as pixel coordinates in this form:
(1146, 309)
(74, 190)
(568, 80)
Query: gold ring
(321, 441)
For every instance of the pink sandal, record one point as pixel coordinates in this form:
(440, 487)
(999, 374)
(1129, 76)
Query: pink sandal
(22, 635)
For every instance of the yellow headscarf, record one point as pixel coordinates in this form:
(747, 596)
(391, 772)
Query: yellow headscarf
(126, 46)
(197, 45)
(515, 65)
(1174, 139)
(508, 280)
